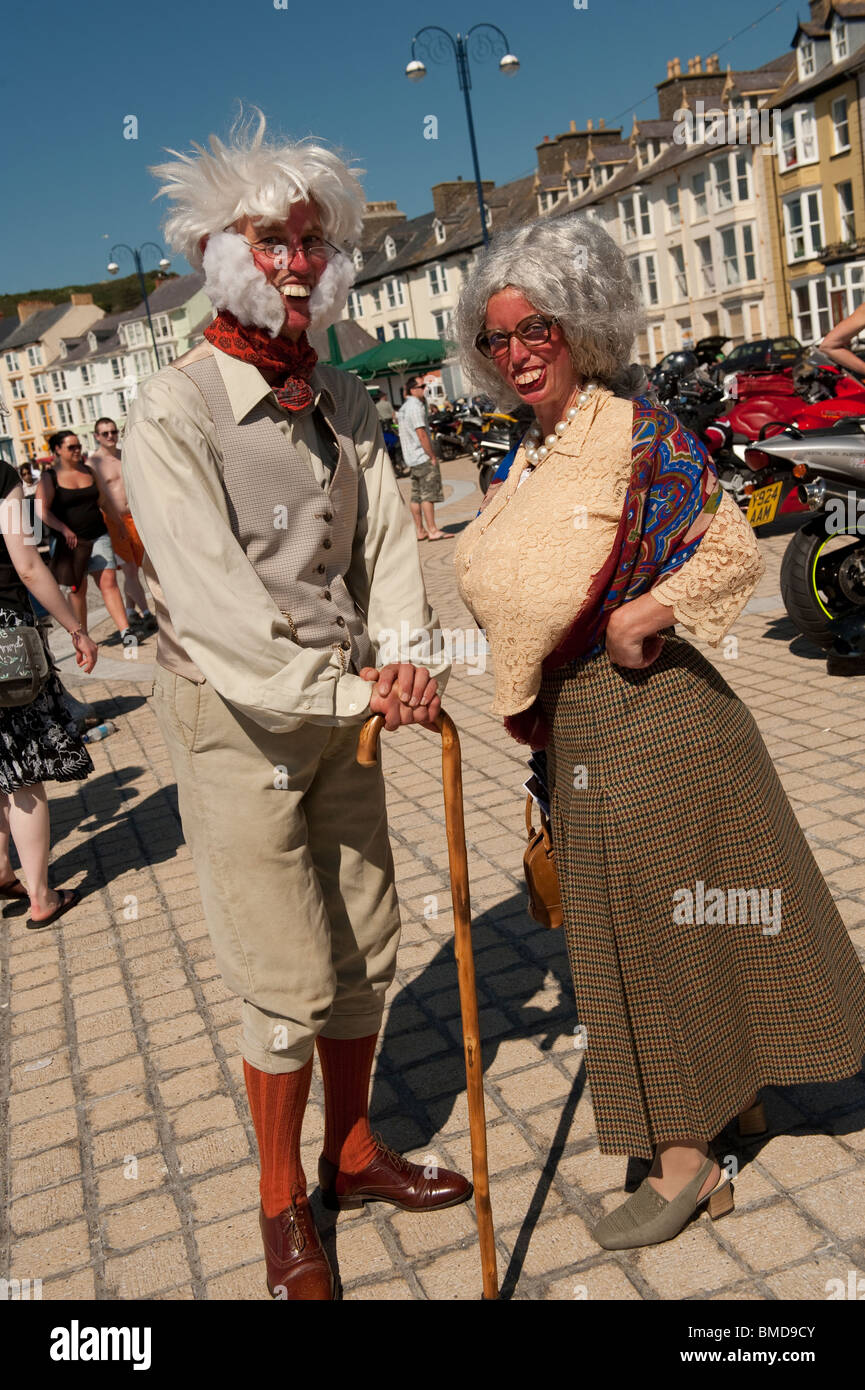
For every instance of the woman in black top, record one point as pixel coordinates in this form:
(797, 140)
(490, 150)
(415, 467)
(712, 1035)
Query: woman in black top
(35, 743)
(67, 499)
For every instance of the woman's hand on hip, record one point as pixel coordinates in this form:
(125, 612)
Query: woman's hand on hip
(70, 537)
(633, 632)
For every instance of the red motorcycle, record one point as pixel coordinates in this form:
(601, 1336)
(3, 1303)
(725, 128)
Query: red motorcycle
(814, 394)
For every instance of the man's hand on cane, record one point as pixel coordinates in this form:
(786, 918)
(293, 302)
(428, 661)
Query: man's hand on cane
(404, 694)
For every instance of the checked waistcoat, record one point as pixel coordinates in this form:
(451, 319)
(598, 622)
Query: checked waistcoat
(297, 535)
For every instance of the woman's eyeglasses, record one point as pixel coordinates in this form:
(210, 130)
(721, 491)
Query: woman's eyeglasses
(532, 332)
(314, 248)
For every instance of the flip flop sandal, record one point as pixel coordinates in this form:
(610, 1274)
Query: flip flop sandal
(13, 889)
(69, 897)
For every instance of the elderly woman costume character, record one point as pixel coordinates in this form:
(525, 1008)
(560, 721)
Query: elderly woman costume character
(708, 957)
(278, 551)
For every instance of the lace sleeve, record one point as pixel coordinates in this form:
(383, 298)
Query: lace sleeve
(708, 592)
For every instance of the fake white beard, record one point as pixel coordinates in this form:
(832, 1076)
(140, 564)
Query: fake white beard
(234, 282)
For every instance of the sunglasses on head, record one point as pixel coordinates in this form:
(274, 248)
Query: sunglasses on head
(532, 331)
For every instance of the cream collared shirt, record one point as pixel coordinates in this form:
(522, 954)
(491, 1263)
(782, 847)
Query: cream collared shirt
(222, 613)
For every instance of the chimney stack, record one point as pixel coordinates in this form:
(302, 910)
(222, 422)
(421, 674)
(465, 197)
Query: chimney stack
(573, 127)
(86, 298)
(601, 123)
(28, 307)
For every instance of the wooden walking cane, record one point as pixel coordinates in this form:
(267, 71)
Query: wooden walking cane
(452, 778)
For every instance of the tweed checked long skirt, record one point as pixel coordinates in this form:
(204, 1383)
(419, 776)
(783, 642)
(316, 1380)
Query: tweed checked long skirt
(662, 791)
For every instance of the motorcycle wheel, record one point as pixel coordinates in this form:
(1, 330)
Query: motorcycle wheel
(485, 476)
(822, 580)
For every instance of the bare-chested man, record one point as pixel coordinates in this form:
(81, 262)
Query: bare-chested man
(105, 462)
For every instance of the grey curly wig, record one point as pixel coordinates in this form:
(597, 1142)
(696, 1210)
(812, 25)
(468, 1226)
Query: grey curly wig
(572, 270)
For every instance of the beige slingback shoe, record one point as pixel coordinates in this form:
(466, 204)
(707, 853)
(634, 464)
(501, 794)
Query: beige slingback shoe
(647, 1218)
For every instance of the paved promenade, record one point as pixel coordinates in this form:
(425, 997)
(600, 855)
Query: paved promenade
(131, 1168)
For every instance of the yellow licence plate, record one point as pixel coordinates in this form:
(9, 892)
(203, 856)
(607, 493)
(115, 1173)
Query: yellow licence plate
(763, 504)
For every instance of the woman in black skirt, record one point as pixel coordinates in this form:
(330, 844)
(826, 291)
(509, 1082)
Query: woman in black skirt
(35, 744)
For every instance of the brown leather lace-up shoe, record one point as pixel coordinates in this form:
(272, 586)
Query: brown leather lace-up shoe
(394, 1179)
(297, 1266)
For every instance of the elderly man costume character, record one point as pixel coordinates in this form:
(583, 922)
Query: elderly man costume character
(278, 547)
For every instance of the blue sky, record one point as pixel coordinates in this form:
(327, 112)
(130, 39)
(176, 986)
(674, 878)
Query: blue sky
(326, 67)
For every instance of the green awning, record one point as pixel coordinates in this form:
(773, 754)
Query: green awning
(398, 356)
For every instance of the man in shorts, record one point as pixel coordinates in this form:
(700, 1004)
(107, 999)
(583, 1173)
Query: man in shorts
(417, 452)
(105, 462)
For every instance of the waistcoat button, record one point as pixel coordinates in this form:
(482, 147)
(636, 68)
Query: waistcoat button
(326, 544)
(319, 569)
(340, 622)
(327, 595)
(327, 516)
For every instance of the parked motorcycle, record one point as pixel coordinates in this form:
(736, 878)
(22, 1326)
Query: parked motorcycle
(823, 570)
(502, 433)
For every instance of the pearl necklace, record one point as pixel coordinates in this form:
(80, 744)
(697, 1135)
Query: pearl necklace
(535, 451)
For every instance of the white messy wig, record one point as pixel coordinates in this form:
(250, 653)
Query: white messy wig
(570, 269)
(251, 176)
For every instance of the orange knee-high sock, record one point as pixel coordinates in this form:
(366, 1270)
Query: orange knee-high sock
(346, 1064)
(278, 1103)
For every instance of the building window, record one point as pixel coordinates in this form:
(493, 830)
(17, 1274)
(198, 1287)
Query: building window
(116, 367)
(355, 305)
(64, 413)
(12, 363)
(749, 256)
(731, 275)
(743, 177)
(23, 416)
(438, 280)
(58, 381)
(680, 278)
(723, 187)
(846, 220)
(645, 215)
(86, 377)
(443, 321)
(629, 223)
(121, 401)
(141, 363)
(18, 392)
(376, 298)
(165, 354)
(91, 407)
(34, 355)
(40, 384)
(707, 265)
(698, 193)
(651, 279)
(395, 293)
(811, 311)
(135, 333)
(357, 258)
(797, 139)
(399, 329)
(45, 415)
(674, 216)
(840, 45)
(803, 225)
(840, 126)
(807, 59)
(161, 326)
(389, 248)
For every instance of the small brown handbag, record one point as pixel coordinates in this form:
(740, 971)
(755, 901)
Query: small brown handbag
(539, 866)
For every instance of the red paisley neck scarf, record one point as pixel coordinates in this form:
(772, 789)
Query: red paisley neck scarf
(279, 361)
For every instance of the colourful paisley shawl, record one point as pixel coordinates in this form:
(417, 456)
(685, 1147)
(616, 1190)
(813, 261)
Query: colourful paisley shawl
(671, 479)
(288, 366)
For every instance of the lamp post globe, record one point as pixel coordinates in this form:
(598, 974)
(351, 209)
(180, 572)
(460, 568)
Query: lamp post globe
(112, 267)
(509, 65)
(415, 70)
(164, 264)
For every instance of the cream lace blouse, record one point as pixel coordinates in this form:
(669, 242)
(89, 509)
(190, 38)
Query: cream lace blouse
(525, 564)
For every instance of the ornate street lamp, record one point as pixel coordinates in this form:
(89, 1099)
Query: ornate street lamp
(135, 253)
(484, 40)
